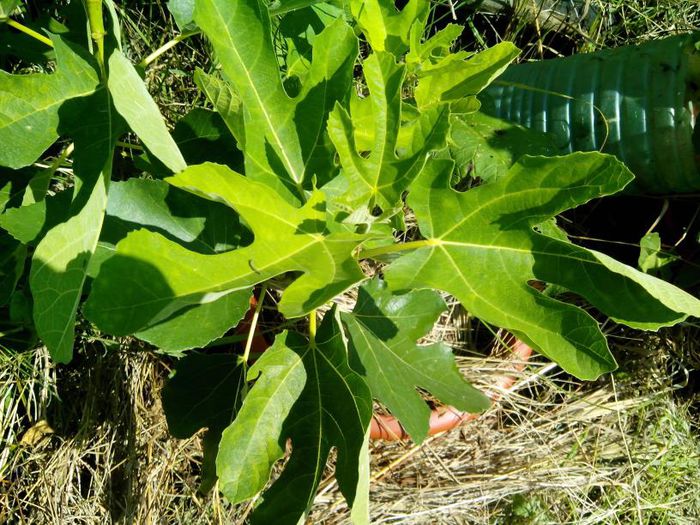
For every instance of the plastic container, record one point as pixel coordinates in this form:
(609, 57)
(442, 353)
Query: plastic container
(639, 103)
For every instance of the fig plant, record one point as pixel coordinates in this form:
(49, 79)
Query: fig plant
(330, 124)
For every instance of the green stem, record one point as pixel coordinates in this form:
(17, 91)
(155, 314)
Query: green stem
(254, 324)
(27, 31)
(128, 145)
(165, 47)
(312, 328)
(97, 31)
(373, 253)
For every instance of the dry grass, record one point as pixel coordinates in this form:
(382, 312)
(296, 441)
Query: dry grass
(620, 450)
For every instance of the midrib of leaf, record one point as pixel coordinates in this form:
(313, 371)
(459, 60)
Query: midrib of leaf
(261, 106)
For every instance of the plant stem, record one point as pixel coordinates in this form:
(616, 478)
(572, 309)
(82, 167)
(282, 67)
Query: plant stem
(97, 32)
(127, 145)
(165, 47)
(254, 324)
(312, 328)
(27, 31)
(373, 253)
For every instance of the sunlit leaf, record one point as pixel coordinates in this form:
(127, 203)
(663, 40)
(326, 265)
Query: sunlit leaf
(380, 177)
(383, 331)
(150, 277)
(34, 109)
(385, 27)
(481, 247)
(134, 103)
(281, 133)
(456, 77)
(252, 444)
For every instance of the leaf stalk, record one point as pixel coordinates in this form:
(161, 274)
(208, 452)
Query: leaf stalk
(167, 46)
(312, 328)
(28, 31)
(254, 324)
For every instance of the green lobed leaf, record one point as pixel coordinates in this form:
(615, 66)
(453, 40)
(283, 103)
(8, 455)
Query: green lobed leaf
(61, 259)
(201, 136)
(33, 107)
(383, 330)
(198, 325)
(458, 76)
(379, 179)
(29, 223)
(134, 103)
(432, 50)
(202, 226)
(652, 259)
(333, 410)
(252, 444)
(150, 277)
(225, 101)
(281, 133)
(481, 247)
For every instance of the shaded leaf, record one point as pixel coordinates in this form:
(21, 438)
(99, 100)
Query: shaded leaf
(61, 259)
(198, 325)
(487, 147)
(150, 278)
(481, 247)
(201, 136)
(12, 256)
(333, 410)
(200, 225)
(30, 223)
(225, 101)
(31, 105)
(383, 331)
(204, 392)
